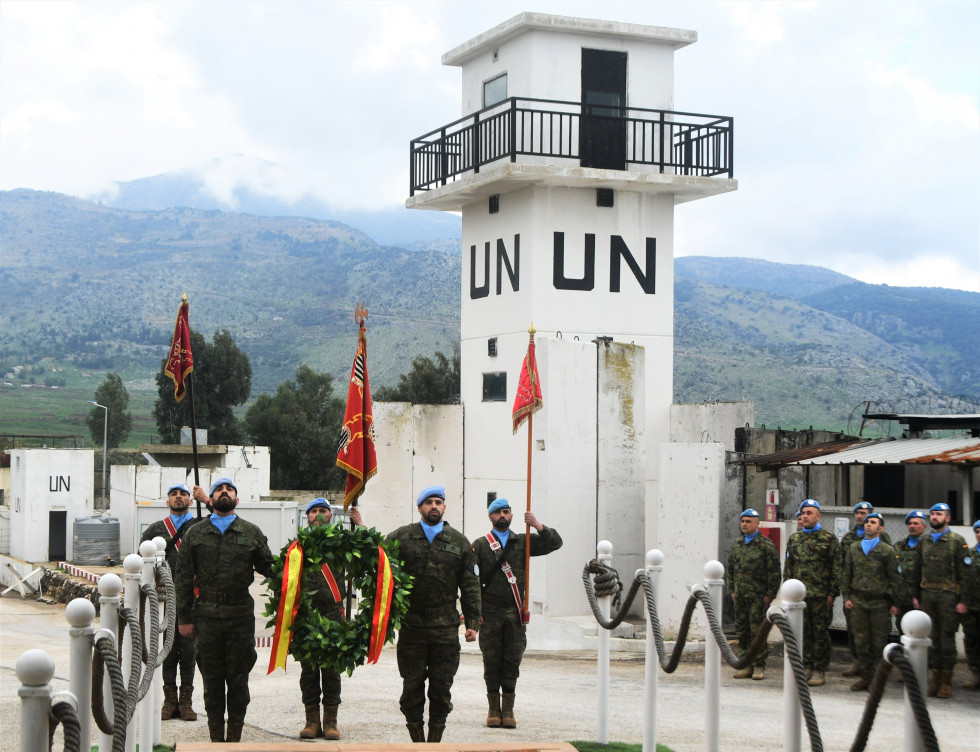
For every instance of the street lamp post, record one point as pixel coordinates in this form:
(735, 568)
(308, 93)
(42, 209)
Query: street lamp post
(105, 437)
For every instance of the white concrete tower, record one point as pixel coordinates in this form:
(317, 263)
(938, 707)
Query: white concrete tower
(566, 165)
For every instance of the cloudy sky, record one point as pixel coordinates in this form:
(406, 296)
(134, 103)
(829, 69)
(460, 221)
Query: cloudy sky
(856, 123)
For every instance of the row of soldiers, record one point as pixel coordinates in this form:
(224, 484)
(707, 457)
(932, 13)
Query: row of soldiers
(935, 571)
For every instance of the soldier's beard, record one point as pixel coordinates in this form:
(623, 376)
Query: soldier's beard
(223, 503)
(937, 524)
(502, 524)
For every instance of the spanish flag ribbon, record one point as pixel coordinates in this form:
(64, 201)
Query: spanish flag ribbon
(331, 582)
(382, 607)
(292, 576)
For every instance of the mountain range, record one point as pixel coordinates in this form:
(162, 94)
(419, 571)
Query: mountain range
(90, 288)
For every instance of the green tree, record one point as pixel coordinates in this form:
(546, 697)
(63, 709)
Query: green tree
(300, 424)
(112, 394)
(429, 382)
(222, 379)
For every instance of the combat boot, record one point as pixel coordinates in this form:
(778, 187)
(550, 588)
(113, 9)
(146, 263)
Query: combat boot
(945, 685)
(184, 706)
(817, 679)
(415, 731)
(759, 674)
(493, 715)
(435, 731)
(312, 729)
(507, 719)
(933, 687)
(330, 730)
(216, 730)
(234, 734)
(973, 682)
(745, 673)
(170, 707)
(861, 684)
(853, 670)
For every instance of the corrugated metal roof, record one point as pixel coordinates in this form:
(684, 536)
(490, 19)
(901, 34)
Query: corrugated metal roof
(789, 456)
(911, 451)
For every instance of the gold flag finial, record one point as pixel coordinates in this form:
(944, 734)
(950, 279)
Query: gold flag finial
(532, 330)
(360, 313)
(183, 297)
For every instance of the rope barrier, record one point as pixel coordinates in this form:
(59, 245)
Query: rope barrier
(65, 714)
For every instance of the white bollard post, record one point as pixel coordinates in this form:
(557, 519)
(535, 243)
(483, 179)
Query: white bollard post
(651, 676)
(604, 549)
(132, 572)
(792, 592)
(157, 687)
(110, 586)
(916, 626)
(714, 573)
(80, 614)
(34, 669)
(148, 552)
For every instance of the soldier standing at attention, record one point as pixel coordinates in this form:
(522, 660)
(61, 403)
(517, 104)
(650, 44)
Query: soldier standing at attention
(219, 557)
(172, 529)
(941, 561)
(869, 584)
(813, 558)
(443, 565)
(856, 534)
(752, 580)
(970, 597)
(503, 635)
(908, 563)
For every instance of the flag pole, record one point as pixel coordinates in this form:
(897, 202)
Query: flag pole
(360, 316)
(526, 616)
(197, 472)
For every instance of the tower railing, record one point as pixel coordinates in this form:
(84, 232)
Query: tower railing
(548, 131)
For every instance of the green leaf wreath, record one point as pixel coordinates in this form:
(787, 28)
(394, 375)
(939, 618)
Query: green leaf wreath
(340, 644)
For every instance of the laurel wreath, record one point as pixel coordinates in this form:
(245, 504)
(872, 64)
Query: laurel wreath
(339, 644)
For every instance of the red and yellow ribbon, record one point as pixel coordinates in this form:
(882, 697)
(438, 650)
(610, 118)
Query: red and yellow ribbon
(331, 582)
(382, 607)
(292, 576)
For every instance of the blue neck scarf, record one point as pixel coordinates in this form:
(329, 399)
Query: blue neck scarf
(937, 536)
(813, 529)
(431, 531)
(913, 541)
(750, 538)
(869, 544)
(180, 520)
(860, 531)
(503, 536)
(223, 523)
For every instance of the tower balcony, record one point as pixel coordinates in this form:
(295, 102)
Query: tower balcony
(521, 141)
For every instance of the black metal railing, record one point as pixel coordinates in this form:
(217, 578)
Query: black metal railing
(679, 143)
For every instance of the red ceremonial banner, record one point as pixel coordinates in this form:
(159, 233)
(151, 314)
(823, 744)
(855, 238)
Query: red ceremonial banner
(356, 453)
(528, 399)
(180, 362)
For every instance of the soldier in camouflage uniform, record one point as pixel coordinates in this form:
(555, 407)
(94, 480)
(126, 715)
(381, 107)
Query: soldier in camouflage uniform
(869, 586)
(219, 558)
(443, 564)
(813, 558)
(503, 635)
(908, 563)
(941, 556)
(311, 679)
(970, 618)
(172, 529)
(856, 534)
(752, 579)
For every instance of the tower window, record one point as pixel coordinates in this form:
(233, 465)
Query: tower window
(495, 386)
(495, 90)
(492, 347)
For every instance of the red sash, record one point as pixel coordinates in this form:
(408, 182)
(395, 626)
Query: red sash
(508, 573)
(172, 530)
(331, 582)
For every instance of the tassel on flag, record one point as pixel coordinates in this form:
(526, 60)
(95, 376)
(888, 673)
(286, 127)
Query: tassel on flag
(180, 362)
(356, 453)
(528, 399)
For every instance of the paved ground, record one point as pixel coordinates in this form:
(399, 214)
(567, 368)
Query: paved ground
(556, 700)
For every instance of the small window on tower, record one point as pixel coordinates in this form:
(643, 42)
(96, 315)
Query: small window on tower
(495, 387)
(495, 90)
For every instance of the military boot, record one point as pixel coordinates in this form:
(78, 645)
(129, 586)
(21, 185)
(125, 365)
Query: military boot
(759, 674)
(415, 731)
(973, 682)
(435, 731)
(216, 730)
(817, 679)
(853, 670)
(507, 719)
(493, 715)
(234, 734)
(745, 673)
(862, 684)
(945, 685)
(170, 707)
(330, 730)
(184, 706)
(312, 729)
(933, 687)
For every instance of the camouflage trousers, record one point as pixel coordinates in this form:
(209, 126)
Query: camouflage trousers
(940, 605)
(749, 615)
(816, 634)
(181, 654)
(225, 655)
(427, 653)
(971, 638)
(312, 680)
(503, 639)
(870, 627)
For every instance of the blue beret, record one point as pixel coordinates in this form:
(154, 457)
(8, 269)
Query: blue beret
(863, 505)
(940, 507)
(222, 481)
(748, 513)
(810, 503)
(498, 504)
(429, 492)
(915, 514)
(178, 487)
(318, 502)
(874, 514)
(976, 524)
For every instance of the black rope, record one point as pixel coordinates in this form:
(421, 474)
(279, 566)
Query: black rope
(792, 647)
(65, 714)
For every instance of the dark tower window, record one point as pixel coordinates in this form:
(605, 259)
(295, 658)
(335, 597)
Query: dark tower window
(602, 135)
(495, 387)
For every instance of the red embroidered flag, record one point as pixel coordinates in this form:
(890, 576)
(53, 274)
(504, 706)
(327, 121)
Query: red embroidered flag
(528, 399)
(180, 362)
(356, 453)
